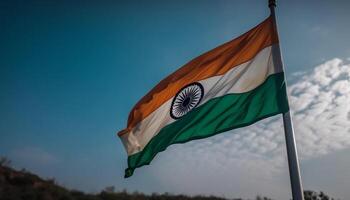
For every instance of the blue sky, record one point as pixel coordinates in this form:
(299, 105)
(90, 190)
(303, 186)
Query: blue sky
(70, 73)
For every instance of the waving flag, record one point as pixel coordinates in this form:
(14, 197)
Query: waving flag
(231, 86)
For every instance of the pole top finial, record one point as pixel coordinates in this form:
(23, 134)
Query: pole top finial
(272, 3)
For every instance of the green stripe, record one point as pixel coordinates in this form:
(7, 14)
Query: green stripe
(215, 116)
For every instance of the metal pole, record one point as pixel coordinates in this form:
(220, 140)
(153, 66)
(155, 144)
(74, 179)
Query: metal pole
(294, 171)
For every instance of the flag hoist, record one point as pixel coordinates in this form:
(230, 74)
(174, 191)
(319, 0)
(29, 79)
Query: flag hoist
(233, 85)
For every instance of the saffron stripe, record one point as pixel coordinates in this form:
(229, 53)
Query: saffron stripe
(240, 79)
(213, 63)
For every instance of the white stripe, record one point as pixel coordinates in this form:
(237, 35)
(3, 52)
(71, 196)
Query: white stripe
(240, 79)
(135, 140)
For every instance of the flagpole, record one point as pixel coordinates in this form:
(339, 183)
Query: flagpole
(294, 171)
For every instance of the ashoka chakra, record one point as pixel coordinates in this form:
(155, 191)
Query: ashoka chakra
(186, 99)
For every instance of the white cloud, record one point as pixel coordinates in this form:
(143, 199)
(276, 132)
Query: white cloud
(255, 157)
(321, 105)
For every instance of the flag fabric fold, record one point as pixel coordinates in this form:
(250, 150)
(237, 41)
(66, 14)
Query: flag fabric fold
(231, 86)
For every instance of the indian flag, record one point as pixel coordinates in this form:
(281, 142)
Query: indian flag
(231, 86)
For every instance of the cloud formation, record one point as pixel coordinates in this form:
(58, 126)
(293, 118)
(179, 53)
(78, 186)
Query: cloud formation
(320, 102)
(256, 156)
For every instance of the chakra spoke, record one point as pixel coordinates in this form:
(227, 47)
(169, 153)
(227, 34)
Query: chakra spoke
(186, 100)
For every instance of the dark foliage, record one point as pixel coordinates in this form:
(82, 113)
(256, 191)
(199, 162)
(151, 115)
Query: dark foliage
(311, 195)
(22, 185)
